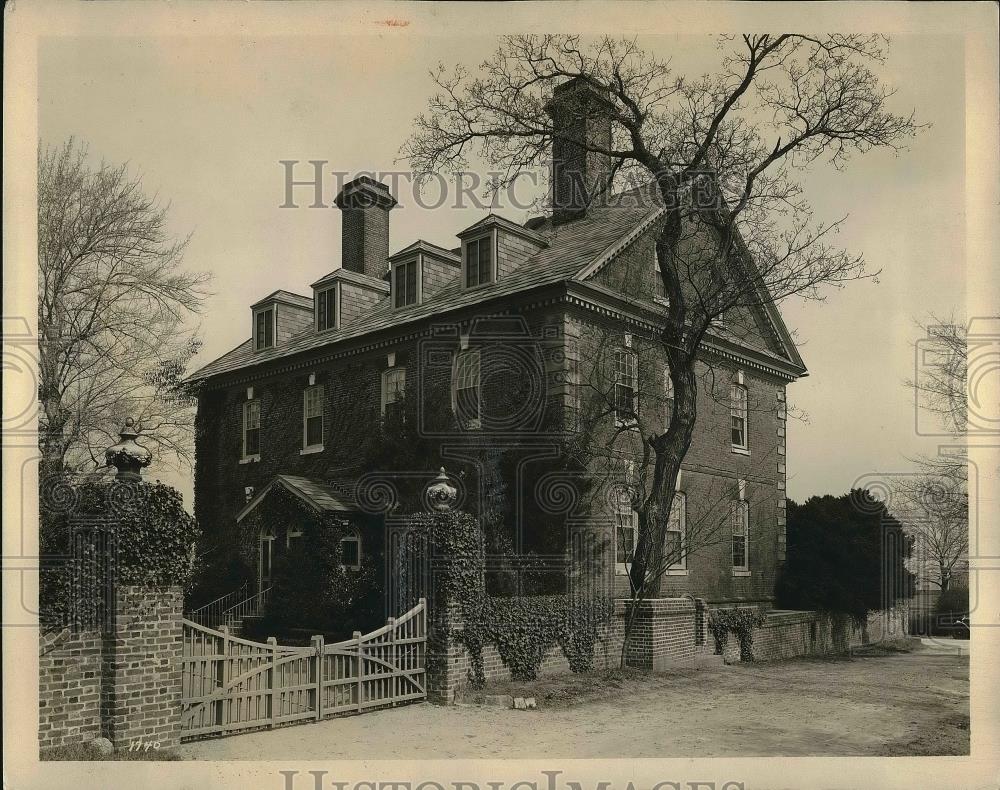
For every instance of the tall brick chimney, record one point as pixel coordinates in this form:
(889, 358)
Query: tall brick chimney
(580, 117)
(365, 204)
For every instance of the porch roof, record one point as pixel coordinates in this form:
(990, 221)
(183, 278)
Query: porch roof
(321, 497)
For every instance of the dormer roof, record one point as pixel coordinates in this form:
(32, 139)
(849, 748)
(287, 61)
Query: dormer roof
(285, 297)
(346, 275)
(425, 247)
(491, 221)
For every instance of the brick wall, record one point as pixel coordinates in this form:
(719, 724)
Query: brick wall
(788, 634)
(69, 688)
(124, 685)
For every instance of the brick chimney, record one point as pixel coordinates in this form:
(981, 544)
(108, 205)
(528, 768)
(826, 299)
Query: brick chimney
(580, 117)
(366, 204)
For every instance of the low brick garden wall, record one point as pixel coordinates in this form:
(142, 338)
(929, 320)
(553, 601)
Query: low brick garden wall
(69, 688)
(790, 634)
(663, 635)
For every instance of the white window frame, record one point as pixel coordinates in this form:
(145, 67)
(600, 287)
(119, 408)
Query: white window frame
(677, 522)
(739, 409)
(399, 391)
(630, 369)
(273, 310)
(290, 533)
(741, 521)
(321, 294)
(467, 354)
(248, 407)
(311, 396)
(491, 239)
(352, 537)
(417, 264)
(624, 515)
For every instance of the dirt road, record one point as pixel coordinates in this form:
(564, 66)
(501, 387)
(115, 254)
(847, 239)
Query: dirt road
(897, 704)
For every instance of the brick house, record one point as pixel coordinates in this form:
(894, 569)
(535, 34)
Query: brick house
(490, 340)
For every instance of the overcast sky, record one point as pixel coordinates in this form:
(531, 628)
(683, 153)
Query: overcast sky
(207, 121)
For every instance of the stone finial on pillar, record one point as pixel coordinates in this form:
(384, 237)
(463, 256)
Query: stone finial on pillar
(441, 493)
(128, 456)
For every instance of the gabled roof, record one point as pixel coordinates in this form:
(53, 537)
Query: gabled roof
(428, 249)
(495, 220)
(321, 497)
(352, 277)
(287, 297)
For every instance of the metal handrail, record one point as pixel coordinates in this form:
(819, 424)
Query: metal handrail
(217, 608)
(247, 607)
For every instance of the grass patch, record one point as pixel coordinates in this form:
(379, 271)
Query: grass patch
(83, 752)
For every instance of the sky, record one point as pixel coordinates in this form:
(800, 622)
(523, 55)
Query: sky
(208, 120)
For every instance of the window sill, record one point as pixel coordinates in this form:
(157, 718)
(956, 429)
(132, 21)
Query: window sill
(737, 572)
(250, 459)
(677, 572)
(740, 450)
(316, 448)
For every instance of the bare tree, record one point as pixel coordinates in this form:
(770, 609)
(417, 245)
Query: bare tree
(933, 503)
(112, 300)
(721, 153)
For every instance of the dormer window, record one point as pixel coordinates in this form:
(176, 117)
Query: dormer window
(479, 268)
(326, 309)
(405, 283)
(264, 328)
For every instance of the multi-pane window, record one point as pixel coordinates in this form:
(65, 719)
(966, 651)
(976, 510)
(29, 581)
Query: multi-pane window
(312, 417)
(393, 390)
(668, 397)
(326, 309)
(405, 284)
(741, 534)
(264, 330)
(350, 551)
(626, 377)
(467, 387)
(626, 518)
(251, 429)
(738, 415)
(676, 525)
(478, 261)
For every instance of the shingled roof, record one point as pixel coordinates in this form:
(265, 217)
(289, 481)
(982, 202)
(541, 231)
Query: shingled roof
(573, 248)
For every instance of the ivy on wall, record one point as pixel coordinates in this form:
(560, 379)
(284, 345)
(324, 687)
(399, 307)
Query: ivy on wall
(739, 621)
(521, 628)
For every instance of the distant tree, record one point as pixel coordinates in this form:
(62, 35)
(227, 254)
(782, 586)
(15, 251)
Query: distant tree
(112, 299)
(845, 555)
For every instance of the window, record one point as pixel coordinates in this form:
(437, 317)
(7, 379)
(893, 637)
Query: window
(626, 383)
(676, 525)
(659, 292)
(264, 333)
(741, 535)
(479, 261)
(393, 391)
(292, 535)
(738, 412)
(668, 397)
(251, 429)
(405, 284)
(350, 551)
(626, 519)
(326, 309)
(312, 417)
(467, 388)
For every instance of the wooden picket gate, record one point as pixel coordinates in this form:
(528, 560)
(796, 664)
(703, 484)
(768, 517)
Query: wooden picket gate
(232, 684)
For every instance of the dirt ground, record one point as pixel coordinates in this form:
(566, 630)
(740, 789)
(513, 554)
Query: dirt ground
(886, 703)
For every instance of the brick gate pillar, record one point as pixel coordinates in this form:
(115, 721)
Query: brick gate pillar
(663, 633)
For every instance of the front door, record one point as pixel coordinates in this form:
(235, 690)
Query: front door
(265, 563)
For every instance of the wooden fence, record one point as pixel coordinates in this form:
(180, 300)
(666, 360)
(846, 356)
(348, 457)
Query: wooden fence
(232, 684)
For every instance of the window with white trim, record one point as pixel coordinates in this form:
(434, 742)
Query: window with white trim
(264, 328)
(312, 417)
(668, 397)
(350, 551)
(626, 378)
(479, 261)
(466, 388)
(676, 528)
(741, 535)
(251, 429)
(626, 524)
(738, 416)
(404, 283)
(326, 309)
(292, 534)
(393, 392)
